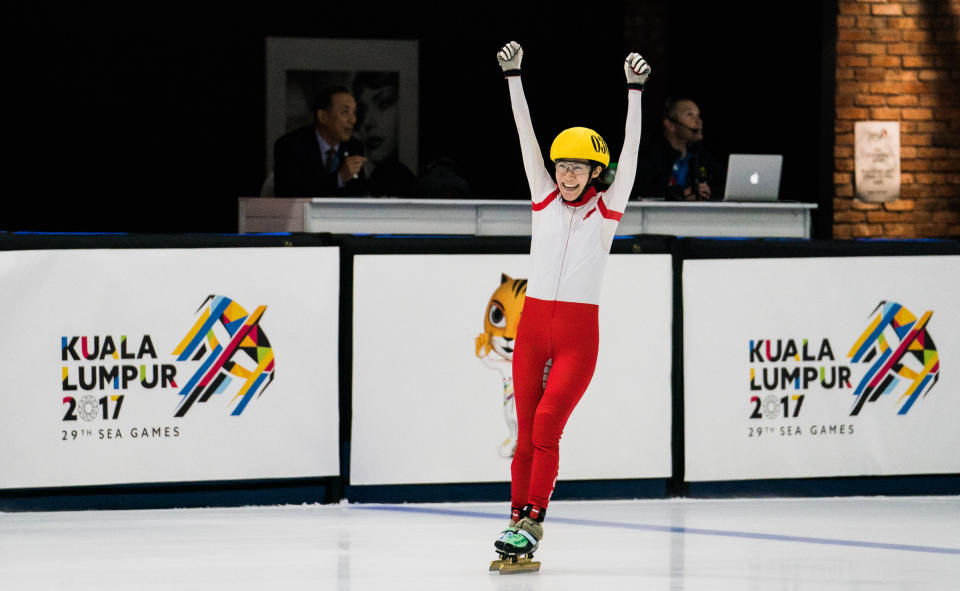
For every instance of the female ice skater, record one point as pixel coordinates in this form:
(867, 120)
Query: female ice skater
(573, 228)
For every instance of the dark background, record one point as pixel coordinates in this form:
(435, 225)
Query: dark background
(152, 118)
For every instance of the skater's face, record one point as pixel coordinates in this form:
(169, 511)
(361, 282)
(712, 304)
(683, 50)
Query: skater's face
(573, 177)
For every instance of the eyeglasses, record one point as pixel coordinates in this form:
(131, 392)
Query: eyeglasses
(577, 168)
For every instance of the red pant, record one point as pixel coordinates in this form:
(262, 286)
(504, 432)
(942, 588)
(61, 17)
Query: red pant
(568, 334)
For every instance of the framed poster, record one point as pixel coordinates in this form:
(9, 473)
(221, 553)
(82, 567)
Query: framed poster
(381, 74)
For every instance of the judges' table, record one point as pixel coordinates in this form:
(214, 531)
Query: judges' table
(482, 217)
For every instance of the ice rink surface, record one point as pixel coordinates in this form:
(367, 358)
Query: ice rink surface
(744, 544)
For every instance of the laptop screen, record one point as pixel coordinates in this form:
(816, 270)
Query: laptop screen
(753, 177)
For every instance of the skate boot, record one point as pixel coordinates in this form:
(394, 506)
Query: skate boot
(505, 535)
(500, 543)
(525, 540)
(516, 514)
(517, 547)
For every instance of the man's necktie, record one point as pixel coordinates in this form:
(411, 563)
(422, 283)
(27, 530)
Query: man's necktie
(333, 160)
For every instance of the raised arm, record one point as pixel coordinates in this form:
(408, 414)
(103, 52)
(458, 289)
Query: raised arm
(538, 178)
(636, 70)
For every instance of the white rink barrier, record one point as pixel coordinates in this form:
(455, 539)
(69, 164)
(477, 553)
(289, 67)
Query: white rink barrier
(815, 367)
(427, 409)
(168, 365)
(364, 367)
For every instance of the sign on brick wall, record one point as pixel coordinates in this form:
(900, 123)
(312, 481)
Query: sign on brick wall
(877, 160)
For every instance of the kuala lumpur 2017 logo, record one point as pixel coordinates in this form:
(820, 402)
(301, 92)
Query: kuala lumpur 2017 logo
(903, 357)
(234, 354)
(234, 351)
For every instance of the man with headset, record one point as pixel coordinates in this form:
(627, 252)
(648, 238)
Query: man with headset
(676, 167)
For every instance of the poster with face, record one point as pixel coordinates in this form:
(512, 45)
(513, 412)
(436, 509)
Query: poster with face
(381, 76)
(377, 97)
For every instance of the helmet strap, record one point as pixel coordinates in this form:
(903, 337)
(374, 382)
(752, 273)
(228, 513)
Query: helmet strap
(579, 198)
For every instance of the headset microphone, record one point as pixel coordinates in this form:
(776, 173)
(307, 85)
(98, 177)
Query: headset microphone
(677, 121)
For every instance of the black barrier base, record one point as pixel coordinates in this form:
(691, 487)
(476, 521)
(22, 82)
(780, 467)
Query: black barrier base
(579, 490)
(168, 495)
(934, 485)
(573, 490)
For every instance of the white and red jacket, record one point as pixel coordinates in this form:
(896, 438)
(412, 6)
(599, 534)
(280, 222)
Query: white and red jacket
(570, 241)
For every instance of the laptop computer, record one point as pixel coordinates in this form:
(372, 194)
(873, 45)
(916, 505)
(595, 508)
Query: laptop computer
(753, 177)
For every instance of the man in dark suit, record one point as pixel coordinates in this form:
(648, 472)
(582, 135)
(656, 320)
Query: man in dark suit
(324, 159)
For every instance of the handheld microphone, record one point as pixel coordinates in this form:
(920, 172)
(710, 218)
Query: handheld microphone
(345, 154)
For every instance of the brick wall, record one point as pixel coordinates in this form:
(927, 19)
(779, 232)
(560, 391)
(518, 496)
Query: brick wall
(900, 61)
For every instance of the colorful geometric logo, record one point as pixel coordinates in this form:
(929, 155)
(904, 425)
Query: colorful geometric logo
(904, 357)
(236, 356)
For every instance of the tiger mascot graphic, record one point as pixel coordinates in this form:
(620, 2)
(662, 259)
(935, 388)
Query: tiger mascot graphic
(494, 346)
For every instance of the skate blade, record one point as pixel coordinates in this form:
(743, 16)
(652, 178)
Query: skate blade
(521, 565)
(495, 564)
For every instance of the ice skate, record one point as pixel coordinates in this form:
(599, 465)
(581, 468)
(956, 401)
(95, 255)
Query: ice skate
(516, 546)
(526, 538)
(509, 564)
(504, 536)
(515, 565)
(499, 543)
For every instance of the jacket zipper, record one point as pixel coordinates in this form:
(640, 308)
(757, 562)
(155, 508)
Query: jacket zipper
(563, 259)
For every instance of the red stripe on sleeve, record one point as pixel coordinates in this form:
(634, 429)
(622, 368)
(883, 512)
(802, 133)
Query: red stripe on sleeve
(547, 201)
(610, 215)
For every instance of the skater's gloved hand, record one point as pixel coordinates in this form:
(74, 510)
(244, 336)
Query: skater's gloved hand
(509, 58)
(482, 343)
(636, 69)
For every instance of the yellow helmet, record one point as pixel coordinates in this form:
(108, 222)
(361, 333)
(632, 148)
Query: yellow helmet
(580, 143)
